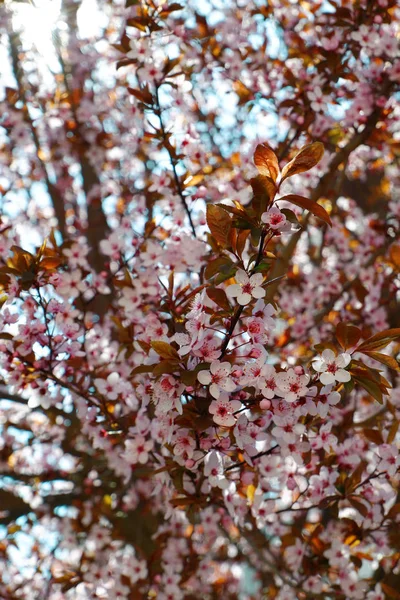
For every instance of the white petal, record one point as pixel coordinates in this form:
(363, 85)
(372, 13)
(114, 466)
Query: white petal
(226, 421)
(224, 366)
(214, 390)
(327, 378)
(256, 279)
(241, 276)
(215, 366)
(328, 355)
(342, 375)
(244, 299)
(233, 290)
(235, 405)
(258, 292)
(334, 398)
(204, 377)
(228, 385)
(319, 365)
(343, 360)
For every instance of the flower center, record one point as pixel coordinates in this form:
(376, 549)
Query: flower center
(270, 383)
(247, 288)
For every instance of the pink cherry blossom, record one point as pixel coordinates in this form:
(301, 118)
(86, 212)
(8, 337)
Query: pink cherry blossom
(218, 378)
(246, 287)
(331, 367)
(223, 410)
(291, 385)
(276, 220)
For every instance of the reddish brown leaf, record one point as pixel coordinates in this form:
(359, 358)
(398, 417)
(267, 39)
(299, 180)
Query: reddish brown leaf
(358, 505)
(219, 223)
(266, 161)
(392, 432)
(380, 340)
(313, 207)
(373, 435)
(215, 266)
(355, 478)
(218, 296)
(389, 361)
(390, 592)
(165, 350)
(347, 335)
(304, 160)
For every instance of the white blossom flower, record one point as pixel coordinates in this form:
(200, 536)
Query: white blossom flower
(109, 387)
(331, 367)
(267, 382)
(291, 386)
(214, 470)
(137, 450)
(219, 378)
(246, 287)
(223, 409)
(276, 220)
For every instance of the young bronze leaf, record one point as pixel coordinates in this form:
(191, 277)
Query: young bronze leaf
(218, 296)
(393, 431)
(263, 185)
(380, 340)
(219, 223)
(266, 161)
(306, 203)
(304, 160)
(347, 335)
(165, 350)
(389, 361)
(371, 387)
(222, 263)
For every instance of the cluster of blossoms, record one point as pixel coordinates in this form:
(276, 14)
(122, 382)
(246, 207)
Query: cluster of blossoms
(198, 332)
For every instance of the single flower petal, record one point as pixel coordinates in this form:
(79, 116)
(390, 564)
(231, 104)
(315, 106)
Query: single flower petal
(214, 390)
(256, 279)
(258, 292)
(327, 378)
(342, 375)
(204, 377)
(343, 360)
(328, 355)
(334, 398)
(241, 276)
(228, 385)
(235, 405)
(244, 299)
(319, 365)
(233, 290)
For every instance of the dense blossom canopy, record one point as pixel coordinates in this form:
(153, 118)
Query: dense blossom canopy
(199, 276)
